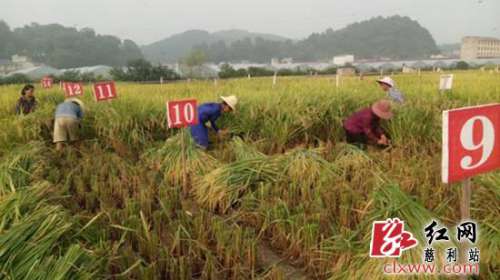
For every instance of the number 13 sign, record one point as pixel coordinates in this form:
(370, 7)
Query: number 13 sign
(182, 113)
(471, 142)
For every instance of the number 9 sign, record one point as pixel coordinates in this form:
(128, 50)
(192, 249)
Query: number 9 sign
(471, 142)
(182, 113)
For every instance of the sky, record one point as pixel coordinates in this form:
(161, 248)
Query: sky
(146, 21)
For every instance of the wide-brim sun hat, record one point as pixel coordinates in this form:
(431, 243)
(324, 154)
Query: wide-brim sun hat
(231, 101)
(382, 109)
(387, 81)
(77, 101)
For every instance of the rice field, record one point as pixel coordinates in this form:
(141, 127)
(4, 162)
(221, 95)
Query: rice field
(282, 197)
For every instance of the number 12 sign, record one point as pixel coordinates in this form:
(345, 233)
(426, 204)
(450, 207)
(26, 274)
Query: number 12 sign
(471, 142)
(182, 113)
(72, 89)
(104, 91)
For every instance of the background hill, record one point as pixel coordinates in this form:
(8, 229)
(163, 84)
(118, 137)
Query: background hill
(394, 37)
(179, 45)
(66, 47)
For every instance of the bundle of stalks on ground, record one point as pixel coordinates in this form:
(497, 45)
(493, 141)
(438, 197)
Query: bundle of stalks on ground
(221, 188)
(38, 240)
(167, 159)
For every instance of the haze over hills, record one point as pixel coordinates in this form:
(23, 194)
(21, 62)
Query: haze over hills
(65, 47)
(392, 37)
(176, 46)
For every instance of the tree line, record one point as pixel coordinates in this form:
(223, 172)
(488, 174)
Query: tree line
(393, 37)
(65, 47)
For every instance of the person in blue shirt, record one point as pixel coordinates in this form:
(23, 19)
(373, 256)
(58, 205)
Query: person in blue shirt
(388, 86)
(210, 112)
(67, 122)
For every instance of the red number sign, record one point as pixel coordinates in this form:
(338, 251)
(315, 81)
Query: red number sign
(47, 82)
(471, 142)
(182, 113)
(72, 89)
(104, 91)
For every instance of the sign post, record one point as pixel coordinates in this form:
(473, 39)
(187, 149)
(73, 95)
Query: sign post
(275, 78)
(181, 114)
(465, 199)
(445, 82)
(471, 146)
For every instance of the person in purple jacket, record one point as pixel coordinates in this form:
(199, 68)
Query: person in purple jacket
(363, 127)
(27, 102)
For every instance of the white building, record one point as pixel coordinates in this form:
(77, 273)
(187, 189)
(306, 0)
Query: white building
(16, 63)
(103, 71)
(342, 60)
(37, 72)
(479, 47)
(275, 61)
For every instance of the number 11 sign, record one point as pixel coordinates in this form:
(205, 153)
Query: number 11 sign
(104, 91)
(471, 142)
(182, 113)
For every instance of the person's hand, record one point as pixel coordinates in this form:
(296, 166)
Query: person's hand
(222, 133)
(383, 140)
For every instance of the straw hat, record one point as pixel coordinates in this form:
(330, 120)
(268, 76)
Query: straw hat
(231, 101)
(386, 80)
(382, 109)
(77, 101)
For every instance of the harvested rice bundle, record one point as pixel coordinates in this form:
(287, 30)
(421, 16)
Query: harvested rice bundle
(34, 242)
(168, 159)
(245, 151)
(305, 167)
(17, 167)
(222, 187)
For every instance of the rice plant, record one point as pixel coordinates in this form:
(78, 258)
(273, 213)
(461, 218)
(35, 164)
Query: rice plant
(117, 206)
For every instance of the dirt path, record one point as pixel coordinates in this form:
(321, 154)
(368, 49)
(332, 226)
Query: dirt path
(266, 256)
(269, 259)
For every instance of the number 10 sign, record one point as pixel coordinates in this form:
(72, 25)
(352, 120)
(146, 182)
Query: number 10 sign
(182, 113)
(471, 142)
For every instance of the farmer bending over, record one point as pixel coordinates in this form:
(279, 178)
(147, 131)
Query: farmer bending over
(67, 123)
(27, 102)
(388, 86)
(363, 127)
(210, 112)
